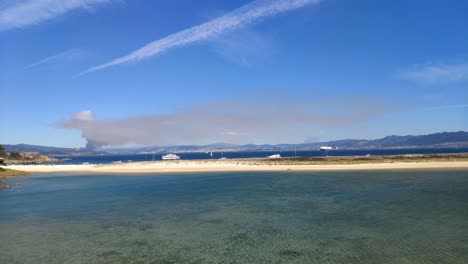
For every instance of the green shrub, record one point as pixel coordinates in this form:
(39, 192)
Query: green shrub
(2, 151)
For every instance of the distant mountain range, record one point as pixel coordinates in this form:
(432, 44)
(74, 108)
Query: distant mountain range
(40, 149)
(437, 140)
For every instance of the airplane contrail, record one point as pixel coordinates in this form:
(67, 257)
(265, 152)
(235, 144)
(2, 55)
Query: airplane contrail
(247, 14)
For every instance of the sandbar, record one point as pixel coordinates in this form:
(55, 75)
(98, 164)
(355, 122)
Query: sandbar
(235, 165)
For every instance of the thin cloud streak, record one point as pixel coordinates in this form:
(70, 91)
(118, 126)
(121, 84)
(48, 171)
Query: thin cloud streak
(247, 14)
(32, 12)
(68, 55)
(455, 106)
(432, 74)
(244, 48)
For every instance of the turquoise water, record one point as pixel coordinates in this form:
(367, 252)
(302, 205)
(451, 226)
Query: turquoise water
(283, 217)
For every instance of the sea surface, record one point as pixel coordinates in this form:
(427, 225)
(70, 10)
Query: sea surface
(106, 159)
(393, 217)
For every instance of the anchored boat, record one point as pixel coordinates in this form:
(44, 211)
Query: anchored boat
(170, 157)
(274, 156)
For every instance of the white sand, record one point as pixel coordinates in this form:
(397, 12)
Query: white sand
(231, 165)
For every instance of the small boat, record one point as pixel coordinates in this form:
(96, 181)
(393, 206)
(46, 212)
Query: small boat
(274, 156)
(170, 157)
(222, 156)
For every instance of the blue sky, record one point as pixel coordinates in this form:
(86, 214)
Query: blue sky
(268, 71)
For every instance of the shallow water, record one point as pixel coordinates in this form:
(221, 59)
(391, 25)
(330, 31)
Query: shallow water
(282, 217)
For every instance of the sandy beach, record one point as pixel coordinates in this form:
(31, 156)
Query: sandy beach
(233, 165)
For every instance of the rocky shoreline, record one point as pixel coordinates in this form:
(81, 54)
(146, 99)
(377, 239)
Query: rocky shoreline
(31, 159)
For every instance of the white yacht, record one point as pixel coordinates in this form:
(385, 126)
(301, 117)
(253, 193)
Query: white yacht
(325, 148)
(274, 156)
(170, 157)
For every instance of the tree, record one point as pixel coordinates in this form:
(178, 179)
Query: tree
(15, 155)
(2, 151)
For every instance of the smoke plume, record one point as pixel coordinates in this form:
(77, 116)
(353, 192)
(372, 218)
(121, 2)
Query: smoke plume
(230, 122)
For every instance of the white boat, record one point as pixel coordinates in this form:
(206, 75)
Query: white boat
(222, 156)
(170, 157)
(325, 148)
(274, 156)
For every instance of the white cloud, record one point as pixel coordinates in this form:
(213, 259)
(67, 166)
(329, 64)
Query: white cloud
(233, 133)
(86, 115)
(247, 14)
(32, 12)
(431, 74)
